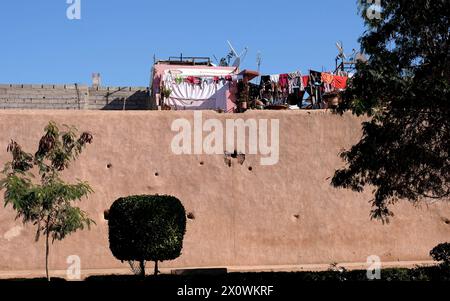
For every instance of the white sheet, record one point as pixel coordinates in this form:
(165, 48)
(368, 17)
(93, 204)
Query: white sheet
(207, 96)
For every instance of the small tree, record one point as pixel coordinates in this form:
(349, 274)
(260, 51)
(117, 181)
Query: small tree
(147, 228)
(47, 204)
(441, 253)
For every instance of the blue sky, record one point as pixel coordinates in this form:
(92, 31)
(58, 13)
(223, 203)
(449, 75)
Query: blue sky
(118, 38)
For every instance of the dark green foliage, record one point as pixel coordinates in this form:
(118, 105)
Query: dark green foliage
(441, 253)
(48, 201)
(276, 279)
(434, 273)
(405, 87)
(147, 228)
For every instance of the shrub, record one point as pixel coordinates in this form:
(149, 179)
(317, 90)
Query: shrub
(441, 253)
(147, 228)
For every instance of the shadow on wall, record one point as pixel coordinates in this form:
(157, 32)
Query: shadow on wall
(140, 100)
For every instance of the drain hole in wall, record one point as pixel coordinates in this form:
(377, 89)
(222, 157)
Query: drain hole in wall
(156, 174)
(250, 168)
(446, 221)
(202, 163)
(109, 165)
(191, 216)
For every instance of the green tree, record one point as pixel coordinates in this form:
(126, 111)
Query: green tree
(147, 228)
(404, 88)
(47, 202)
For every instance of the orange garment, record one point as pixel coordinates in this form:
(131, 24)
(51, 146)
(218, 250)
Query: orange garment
(327, 78)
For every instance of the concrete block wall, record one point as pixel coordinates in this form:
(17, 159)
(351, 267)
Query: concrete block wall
(73, 97)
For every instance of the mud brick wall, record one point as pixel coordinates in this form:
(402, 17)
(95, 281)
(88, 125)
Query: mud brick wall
(246, 215)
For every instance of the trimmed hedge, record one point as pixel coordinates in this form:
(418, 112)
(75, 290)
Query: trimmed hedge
(147, 228)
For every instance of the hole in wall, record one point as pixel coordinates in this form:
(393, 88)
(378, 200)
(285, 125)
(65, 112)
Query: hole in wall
(241, 158)
(156, 174)
(295, 218)
(109, 166)
(191, 216)
(235, 155)
(202, 163)
(227, 161)
(250, 168)
(106, 214)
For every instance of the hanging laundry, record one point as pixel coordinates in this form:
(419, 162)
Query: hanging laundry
(295, 82)
(327, 78)
(284, 81)
(316, 88)
(197, 93)
(316, 78)
(340, 82)
(275, 78)
(305, 81)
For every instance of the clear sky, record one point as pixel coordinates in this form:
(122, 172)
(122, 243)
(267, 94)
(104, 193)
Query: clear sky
(118, 38)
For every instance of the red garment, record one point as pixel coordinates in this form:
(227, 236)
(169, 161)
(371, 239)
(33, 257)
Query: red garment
(284, 81)
(340, 82)
(228, 78)
(305, 80)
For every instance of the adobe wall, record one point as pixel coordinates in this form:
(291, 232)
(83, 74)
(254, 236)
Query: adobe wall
(285, 214)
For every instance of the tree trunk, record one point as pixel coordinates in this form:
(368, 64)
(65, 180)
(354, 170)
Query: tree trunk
(142, 266)
(156, 268)
(47, 249)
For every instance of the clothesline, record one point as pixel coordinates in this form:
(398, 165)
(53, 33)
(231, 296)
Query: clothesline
(329, 79)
